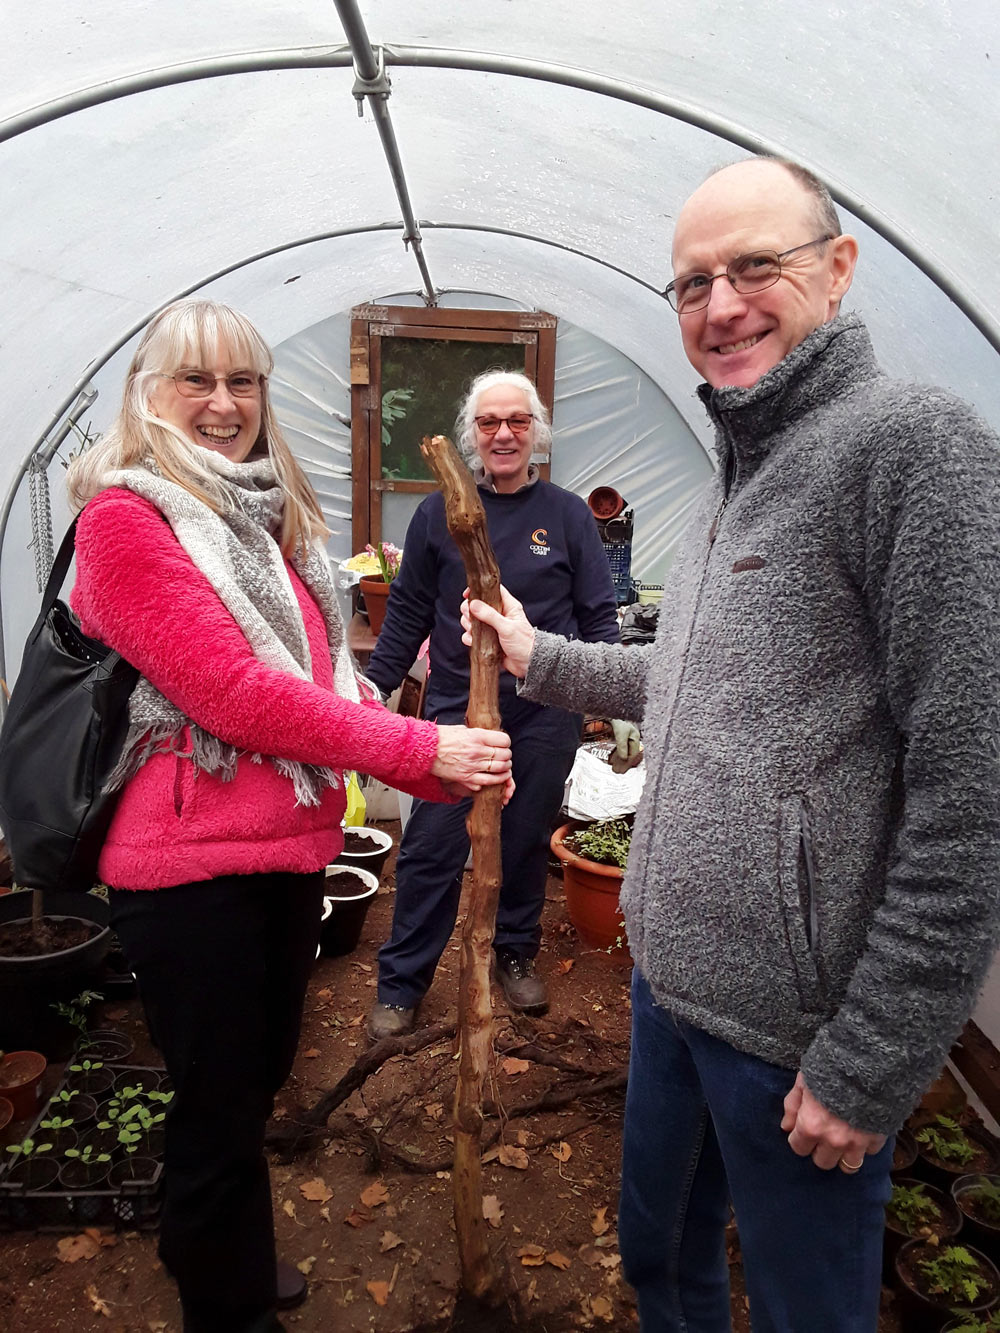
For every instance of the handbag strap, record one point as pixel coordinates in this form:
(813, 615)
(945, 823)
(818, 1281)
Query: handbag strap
(60, 568)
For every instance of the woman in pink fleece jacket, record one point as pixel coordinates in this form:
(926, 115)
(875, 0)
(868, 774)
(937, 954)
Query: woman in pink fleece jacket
(200, 560)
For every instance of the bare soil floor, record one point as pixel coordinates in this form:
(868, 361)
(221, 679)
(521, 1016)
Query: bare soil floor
(366, 1211)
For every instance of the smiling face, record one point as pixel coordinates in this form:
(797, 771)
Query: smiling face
(756, 205)
(506, 455)
(226, 424)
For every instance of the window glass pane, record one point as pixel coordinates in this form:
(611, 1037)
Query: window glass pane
(423, 380)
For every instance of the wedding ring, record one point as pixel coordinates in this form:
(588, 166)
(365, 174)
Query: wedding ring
(851, 1168)
(489, 762)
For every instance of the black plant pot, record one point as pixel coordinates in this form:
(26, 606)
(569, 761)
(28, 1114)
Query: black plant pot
(340, 932)
(949, 1226)
(377, 844)
(30, 986)
(921, 1312)
(944, 1174)
(976, 1227)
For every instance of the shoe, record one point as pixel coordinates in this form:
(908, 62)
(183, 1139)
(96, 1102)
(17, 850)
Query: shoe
(292, 1286)
(390, 1020)
(524, 989)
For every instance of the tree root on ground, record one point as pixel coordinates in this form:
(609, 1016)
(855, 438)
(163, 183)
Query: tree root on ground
(293, 1136)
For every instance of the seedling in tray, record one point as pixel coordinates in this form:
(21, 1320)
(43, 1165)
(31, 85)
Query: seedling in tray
(27, 1148)
(87, 1155)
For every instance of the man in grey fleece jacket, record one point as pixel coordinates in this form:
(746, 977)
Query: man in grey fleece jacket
(812, 892)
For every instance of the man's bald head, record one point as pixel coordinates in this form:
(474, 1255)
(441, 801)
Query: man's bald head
(761, 204)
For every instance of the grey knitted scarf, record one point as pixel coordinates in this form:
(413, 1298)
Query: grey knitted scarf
(239, 555)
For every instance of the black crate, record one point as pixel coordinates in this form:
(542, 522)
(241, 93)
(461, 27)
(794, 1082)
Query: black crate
(133, 1205)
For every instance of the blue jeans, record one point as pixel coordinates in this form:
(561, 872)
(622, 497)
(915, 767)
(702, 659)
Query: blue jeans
(702, 1128)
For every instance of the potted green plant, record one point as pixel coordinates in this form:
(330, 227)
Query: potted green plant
(84, 1167)
(90, 1076)
(593, 858)
(917, 1209)
(30, 1170)
(374, 587)
(978, 1198)
(71, 1101)
(60, 1131)
(947, 1150)
(972, 1323)
(935, 1281)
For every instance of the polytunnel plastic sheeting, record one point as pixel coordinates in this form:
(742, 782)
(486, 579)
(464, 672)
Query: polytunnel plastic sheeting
(120, 206)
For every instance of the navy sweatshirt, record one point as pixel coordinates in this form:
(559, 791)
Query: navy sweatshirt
(551, 558)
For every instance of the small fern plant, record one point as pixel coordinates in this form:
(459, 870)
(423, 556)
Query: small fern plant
(947, 1140)
(910, 1208)
(954, 1274)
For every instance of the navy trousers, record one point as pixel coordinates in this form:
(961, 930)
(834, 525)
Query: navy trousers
(435, 847)
(703, 1129)
(222, 967)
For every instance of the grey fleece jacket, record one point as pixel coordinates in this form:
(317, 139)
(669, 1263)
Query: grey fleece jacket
(815, 868)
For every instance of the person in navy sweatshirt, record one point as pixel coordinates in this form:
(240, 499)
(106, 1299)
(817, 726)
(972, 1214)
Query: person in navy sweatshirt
(550, 555)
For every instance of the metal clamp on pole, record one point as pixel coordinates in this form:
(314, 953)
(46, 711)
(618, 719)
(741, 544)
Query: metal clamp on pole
(378, 86)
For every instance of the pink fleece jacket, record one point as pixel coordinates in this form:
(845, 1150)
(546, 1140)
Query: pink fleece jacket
(139, 592)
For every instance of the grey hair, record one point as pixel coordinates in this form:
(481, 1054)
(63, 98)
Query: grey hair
(465, 425)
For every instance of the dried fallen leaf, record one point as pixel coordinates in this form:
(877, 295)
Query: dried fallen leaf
(312, 1053)
(562, 1152)
(325, 994)
(531, 1256)
(611, 1260)
(599, 1223)
(515, 1157)
(435, 1110)
(364, 967)
(492, 1210)
(99, 1306)
(514, 1066)
(279, 1113)
(157, 1326)
(389, 1241)
(565, 965)
(306, 1266)
(317, 1191)
(99, 1237)
(375, 1194)
(601, 1308)
(356, 1021)
(590, 1256)
(289, 1208)
(378, 1291)
(356, 1219)
(557, 1260)
(71, 1249)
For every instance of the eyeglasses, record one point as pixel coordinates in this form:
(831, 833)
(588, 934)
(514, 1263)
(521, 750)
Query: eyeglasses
(202, 383)
(747, 273)
(518, 423)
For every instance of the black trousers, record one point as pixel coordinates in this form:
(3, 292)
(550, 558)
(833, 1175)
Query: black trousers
(222, 967)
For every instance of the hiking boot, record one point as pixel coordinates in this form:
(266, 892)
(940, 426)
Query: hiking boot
(525, 991)
(390, 1020)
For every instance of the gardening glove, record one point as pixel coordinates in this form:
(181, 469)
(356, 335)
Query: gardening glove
(628, 746)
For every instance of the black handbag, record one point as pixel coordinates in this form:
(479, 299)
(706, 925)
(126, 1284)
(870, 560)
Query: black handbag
(64, 732)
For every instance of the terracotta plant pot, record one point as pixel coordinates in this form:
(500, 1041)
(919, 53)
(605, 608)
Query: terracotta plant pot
(377, 844)
(592, 893)
(944, 1227)
(376, 595)
(340, 932)
(20, 1081)
(979, 1227)
(922, 1311)
(6, 1112)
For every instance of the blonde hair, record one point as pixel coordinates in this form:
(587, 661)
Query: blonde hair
(465, 425)
(189, 333)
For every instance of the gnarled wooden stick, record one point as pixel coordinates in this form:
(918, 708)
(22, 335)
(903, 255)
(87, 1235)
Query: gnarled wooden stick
(467, 525)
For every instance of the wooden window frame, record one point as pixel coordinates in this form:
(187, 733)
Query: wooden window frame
(370, 325)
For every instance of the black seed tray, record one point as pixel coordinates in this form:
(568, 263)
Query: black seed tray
(132, 1206)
